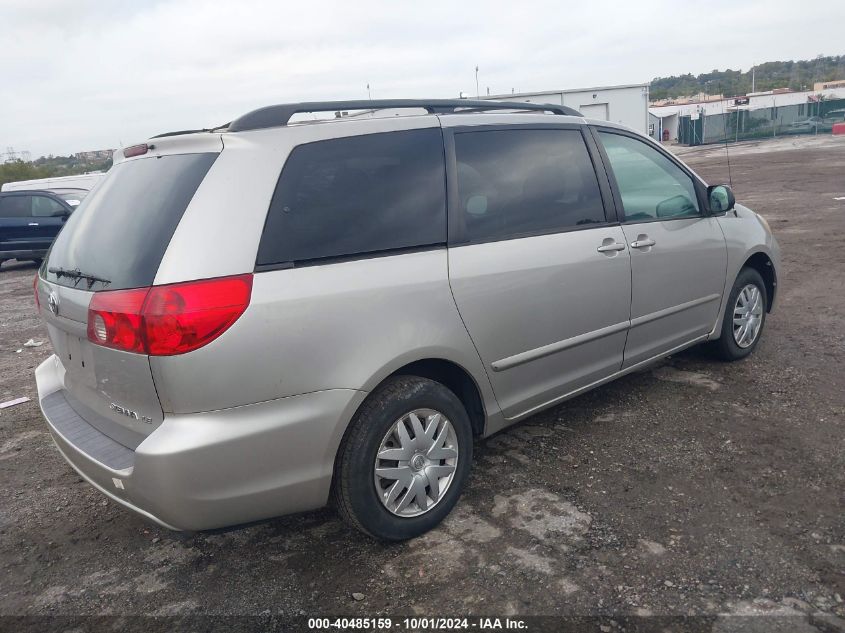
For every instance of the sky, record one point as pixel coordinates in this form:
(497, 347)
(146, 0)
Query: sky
(93, 74)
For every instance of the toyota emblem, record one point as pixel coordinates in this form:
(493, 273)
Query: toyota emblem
(53, 302)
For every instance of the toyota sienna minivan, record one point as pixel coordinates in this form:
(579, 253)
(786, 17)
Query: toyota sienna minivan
(275, 315)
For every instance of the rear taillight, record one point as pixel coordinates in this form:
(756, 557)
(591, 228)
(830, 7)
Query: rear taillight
(35, 290)
(167, 320)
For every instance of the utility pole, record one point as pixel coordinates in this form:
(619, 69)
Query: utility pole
(369, 96)
(752, 79)
(477, 91)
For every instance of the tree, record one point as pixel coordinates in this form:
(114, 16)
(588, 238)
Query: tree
(795, 75)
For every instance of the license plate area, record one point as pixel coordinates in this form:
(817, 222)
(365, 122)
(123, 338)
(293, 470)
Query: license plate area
(78, 359)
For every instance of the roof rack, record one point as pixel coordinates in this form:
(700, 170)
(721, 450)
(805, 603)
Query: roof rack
(279, 115)
(182, 132)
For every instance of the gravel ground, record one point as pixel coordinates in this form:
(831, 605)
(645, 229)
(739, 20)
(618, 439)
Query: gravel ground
(691, 488)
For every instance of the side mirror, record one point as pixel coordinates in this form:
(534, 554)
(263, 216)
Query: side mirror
(61, 214)
(720, 198)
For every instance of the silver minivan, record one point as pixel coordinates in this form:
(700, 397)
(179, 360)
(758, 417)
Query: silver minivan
(276, 314)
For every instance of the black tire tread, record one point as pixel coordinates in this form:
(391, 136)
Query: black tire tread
(724, 347)
(354, 442)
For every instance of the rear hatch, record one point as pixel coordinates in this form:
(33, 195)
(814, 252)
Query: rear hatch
(115, 240)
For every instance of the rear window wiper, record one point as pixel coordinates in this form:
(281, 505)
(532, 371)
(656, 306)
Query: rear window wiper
(76, 274)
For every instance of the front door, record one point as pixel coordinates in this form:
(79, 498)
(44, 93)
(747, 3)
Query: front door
(542, 280)
(678, 253)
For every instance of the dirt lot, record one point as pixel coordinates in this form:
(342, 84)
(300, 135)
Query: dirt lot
(694, 487)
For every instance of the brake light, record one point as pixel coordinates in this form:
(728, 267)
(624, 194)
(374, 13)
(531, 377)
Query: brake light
(135, 150)
(167, 320)
(35, 290)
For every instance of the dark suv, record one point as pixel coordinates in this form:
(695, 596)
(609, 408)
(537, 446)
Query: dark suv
(29, 222)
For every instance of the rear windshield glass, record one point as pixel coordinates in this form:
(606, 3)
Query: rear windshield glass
(120, 231)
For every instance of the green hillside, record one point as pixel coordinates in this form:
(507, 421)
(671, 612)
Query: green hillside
(797, 75)
(46, 167)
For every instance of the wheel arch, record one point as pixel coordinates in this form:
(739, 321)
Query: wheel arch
(449, 371)
(763, 264)
(457, 379)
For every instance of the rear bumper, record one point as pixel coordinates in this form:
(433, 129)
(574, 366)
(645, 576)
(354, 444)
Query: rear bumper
(208, 470)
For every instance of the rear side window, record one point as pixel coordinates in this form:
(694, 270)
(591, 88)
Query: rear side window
(513, 183)
(16, 207)
(362, 194)
(121, 230)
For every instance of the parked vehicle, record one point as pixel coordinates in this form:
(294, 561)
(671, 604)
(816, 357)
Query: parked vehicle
(73, 197)
(79, 182)
(29, 222)
(810, 124)
(256, 320)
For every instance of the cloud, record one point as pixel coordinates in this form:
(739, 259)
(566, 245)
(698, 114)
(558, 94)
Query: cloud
(90, 74)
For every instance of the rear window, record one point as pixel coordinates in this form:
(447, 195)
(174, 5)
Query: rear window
(356, 195)
(121, 230)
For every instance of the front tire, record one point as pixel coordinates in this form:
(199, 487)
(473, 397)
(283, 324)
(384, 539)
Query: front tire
(745, 316)
(404, 460)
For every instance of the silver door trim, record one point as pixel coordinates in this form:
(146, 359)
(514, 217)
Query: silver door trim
(653, 316)
(559, 346)
(606, 379)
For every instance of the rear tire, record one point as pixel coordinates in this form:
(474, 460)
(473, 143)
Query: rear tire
(422, 467)
(745, 317)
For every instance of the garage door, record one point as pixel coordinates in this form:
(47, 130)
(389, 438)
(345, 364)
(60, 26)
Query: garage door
(595, 111)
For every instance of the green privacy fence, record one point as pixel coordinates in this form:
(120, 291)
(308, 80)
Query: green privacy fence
(739, 125)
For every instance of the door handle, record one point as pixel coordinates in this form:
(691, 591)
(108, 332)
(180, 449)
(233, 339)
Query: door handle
(643, 243)
(33, 224)
(607, 248)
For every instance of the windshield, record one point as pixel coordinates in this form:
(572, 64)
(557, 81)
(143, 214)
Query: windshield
(119, 233)
(73, 198)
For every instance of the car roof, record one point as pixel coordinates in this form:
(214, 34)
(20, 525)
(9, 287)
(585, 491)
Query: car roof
(373, 116)
(18, 192)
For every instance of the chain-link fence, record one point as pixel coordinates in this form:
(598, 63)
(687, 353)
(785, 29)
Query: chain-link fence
(739, 124)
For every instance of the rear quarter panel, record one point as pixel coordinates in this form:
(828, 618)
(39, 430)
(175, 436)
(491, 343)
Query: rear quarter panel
(345, 325)
(337, 326)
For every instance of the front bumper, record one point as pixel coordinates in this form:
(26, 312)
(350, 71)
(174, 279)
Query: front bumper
(208, 470)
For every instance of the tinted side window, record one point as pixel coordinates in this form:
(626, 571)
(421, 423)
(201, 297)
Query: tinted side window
(519, 182)
(16, 207)
(357, 195)
(44, 207)
(651, 185)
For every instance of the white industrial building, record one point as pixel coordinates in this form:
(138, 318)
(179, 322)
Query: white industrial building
(626, 104)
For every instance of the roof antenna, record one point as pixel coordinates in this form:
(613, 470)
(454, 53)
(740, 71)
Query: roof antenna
(725, 124)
